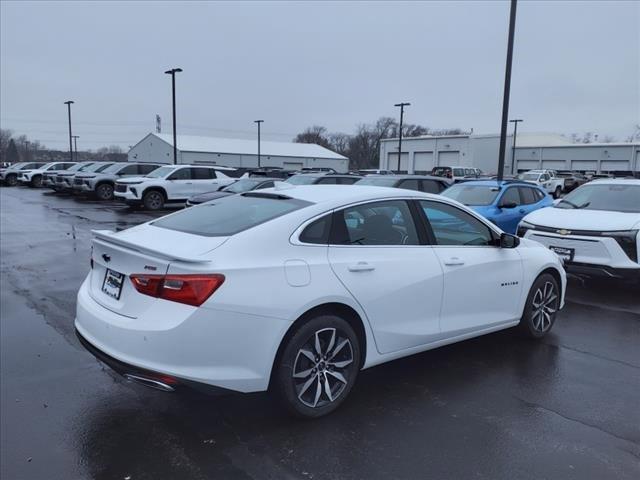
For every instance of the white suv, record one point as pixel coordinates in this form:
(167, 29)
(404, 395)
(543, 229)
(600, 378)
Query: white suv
(595, 229)
(171, 183)
(33, 178)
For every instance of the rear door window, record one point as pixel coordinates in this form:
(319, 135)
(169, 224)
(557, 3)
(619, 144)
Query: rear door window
(511, 196)
(528, 195)
(410, 184)
(377, 223)
(181, 174)
(452, 226)
(146, 169)
(431, 186)
(129, 170)
(199, 173)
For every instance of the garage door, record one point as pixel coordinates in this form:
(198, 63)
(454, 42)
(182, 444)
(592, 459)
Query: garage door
(448, 158)
(292, 165)
(424, 162)
(404, 162)
(584, 165)
(554, 164)
(614, 165)
(524, 165)
(637, 169)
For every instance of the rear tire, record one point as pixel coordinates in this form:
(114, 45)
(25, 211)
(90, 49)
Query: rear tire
(153, 200)
(541, 307)
(36, 182)
(104, 192)
(318, 367)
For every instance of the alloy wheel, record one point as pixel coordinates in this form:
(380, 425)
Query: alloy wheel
(105, 192)
(321, 369)
(154, 200)
(544, 306)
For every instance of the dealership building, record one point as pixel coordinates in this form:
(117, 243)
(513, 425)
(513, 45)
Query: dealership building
(233, 152)
(421, 154)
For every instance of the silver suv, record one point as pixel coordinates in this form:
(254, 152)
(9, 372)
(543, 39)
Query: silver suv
(101, 184)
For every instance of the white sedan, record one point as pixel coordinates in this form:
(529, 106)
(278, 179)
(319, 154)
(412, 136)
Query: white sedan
(298, 288)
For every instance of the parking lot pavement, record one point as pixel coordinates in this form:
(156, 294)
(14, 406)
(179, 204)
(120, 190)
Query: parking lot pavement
(492, 407)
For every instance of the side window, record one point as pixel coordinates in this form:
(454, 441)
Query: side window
(327, 181)
(458, 172)
(411, 184)
(129, 170)
(347, 180)
(510, 196)
(468, 171)
(539, 195)
(146, 169)
(452, 226)
(181, 174)
(431, 186)
(265, 185)
(199, 173)
(544, 177)
(317, 232)
(379, 223)
(528, 195)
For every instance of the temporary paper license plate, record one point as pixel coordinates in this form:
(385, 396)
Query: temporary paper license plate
(112, 284)
(565, 254)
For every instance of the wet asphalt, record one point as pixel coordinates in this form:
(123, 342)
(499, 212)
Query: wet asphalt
(496, 407)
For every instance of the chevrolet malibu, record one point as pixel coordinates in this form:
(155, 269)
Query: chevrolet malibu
(296, 289)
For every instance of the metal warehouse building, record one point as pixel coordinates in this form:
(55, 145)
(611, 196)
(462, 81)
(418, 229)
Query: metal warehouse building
(421, 154)
(231, 152)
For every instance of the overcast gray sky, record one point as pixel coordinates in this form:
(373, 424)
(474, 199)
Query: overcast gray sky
(337, 64)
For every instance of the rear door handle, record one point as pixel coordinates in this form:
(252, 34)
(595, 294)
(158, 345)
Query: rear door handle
(453, 261)
(361, 267)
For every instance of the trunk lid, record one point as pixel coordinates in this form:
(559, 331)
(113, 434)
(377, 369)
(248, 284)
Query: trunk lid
(140, 250)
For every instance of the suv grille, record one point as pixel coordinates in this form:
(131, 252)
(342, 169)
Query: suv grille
(77, 181)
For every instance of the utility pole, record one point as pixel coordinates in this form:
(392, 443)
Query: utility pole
(515, 122)
(401, 105)
(173, 72)
(507, 89)
(258, 122)
(68, 104)
(75, 143)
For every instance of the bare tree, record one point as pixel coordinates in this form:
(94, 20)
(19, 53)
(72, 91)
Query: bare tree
(5, 136)
(314, 134)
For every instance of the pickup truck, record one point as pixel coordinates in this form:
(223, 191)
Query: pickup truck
(546, 179)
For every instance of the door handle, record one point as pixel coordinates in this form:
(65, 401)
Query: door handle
(361, 267)
(453, 261)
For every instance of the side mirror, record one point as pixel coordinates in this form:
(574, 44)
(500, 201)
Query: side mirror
(508, 205)
(509, 241)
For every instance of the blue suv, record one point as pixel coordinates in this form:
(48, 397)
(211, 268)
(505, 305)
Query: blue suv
(503, 203)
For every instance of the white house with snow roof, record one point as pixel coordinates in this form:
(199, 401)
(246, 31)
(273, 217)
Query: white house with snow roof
(233, 152)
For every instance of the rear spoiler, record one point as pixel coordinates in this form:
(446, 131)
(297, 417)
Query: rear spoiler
(109, 236)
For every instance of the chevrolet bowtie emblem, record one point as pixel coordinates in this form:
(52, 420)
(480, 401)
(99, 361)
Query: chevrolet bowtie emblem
(563, 231)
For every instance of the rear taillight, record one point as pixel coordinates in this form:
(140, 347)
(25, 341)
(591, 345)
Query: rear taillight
(189, 289)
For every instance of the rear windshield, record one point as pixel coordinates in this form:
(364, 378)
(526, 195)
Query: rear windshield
(302, 179)
(472, 194)
(378, 181)
(230, 215)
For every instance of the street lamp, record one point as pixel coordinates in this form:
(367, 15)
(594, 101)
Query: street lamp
(507, 89)
(401, 105)
(75, 144)
(173, 72)
(258, 122)
(68, 104)
(515, 122)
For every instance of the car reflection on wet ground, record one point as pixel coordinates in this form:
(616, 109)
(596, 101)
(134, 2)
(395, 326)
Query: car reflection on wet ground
(493, 407)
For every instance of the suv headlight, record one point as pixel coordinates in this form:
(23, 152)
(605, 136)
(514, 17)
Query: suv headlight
(523, 227)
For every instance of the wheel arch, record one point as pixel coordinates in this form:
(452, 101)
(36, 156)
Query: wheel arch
(339, 309)
(102, 182)
(555, 273)
(156, 188)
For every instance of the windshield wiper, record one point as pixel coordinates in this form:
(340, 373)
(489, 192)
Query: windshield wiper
(573, 205)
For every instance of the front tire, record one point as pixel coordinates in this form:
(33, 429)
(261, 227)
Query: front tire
(153, 200)
(36, 182)
(104, 192)
(541, 308)
(11, 180)
(557, 192)
(318, 367)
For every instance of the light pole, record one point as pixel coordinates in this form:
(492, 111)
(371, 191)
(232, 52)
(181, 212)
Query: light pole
(507, 88)
(75, 144)
(515, 122)
(401, 105)
(258, 122)
(173, 72)
(68, 104)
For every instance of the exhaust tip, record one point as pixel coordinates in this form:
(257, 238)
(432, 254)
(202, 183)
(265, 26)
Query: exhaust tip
(149, 382)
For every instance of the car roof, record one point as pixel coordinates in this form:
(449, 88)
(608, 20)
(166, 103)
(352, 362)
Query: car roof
(496, 183)
(614, 181)
(339, 194)
(408, 175)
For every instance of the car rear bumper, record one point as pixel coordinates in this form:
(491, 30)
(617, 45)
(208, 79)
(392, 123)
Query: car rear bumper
(222, 349)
